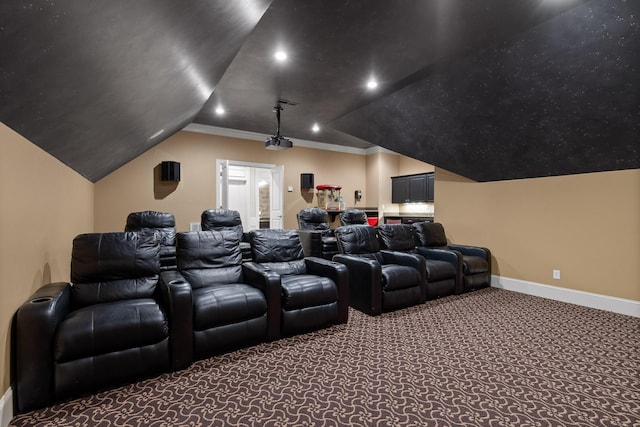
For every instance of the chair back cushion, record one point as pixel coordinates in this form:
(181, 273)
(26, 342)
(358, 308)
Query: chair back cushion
(357, 239)
(114, 266)
(430, 234)
(163, 222)
(221, 219)
(397, 237)
(353, 216)
(313, 219)
(209, 257)
(213, 219)
(279, 250)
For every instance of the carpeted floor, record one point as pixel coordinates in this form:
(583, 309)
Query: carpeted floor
(487, 358)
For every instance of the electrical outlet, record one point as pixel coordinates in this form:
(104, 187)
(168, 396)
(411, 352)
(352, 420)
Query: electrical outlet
(194, 226)
(556, 274)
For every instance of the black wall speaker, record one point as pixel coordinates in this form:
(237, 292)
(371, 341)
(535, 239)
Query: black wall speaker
(170, 171)
(306, 180)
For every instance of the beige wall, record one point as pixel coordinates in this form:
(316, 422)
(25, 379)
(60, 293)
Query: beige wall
(44, 205)
(409, 166)
(587, 226)
(131, 188)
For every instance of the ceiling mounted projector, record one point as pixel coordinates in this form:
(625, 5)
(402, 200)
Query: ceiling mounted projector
(277, 141)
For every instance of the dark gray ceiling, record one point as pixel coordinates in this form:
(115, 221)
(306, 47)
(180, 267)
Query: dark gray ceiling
(491, 89)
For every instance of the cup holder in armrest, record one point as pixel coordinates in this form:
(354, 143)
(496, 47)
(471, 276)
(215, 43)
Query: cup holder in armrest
(40, 299)
(177, 282)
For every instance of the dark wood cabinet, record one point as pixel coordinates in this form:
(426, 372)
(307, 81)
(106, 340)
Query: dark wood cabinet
(412, 188)
(399, 189)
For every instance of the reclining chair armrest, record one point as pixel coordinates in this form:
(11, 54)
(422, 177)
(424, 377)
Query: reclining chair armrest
(339, 274)
(311, 242)
(178, 301)
(33, 331)
(402, 258)
(411, 260)
(453, 257)
(450, 256)
(267, 281)
(365, 283)
(478, 251)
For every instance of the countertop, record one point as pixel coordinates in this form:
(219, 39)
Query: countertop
(407, 215)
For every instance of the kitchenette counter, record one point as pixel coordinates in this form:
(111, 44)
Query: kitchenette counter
(406, 218)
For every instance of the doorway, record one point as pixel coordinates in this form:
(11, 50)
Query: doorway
(255, 190)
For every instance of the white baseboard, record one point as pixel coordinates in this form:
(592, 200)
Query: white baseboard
(586, 299)
(6, 408)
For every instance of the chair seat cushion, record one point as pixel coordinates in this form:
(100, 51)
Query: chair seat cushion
(110, 327)
(223, 304)
(474, 264)
(307, 290)
(439, 270)
(396, 277)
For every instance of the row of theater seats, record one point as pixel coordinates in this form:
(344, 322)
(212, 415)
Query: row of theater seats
(122, 317)
(450, 268)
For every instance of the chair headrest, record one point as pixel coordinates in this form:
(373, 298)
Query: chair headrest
(213, 219)
(313, 219)
(430, 234)
(100, 257)
(357, 239)
(207, 249)
(397, 237)
(275, 245)
(353, 216)
(149, 219)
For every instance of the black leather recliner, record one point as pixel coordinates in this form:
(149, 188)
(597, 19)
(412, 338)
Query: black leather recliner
(353, 216)
(473, 263)
(315, 233)
(165, 224)
(227, 219)
(234, 304)
(116, 322)
(441, 275)
(315, 291)
(379, 280)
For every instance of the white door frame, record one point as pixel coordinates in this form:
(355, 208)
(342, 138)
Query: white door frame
(222, 195)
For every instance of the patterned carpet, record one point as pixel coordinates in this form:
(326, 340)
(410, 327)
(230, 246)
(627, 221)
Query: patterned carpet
(487, 358)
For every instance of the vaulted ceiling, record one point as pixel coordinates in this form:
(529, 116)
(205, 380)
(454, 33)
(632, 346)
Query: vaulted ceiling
(490, 89)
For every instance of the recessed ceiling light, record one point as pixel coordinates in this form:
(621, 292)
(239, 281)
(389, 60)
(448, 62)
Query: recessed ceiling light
(315, 127)
(280, 56)
(372, 83)
(157, 134)
(219, 110)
